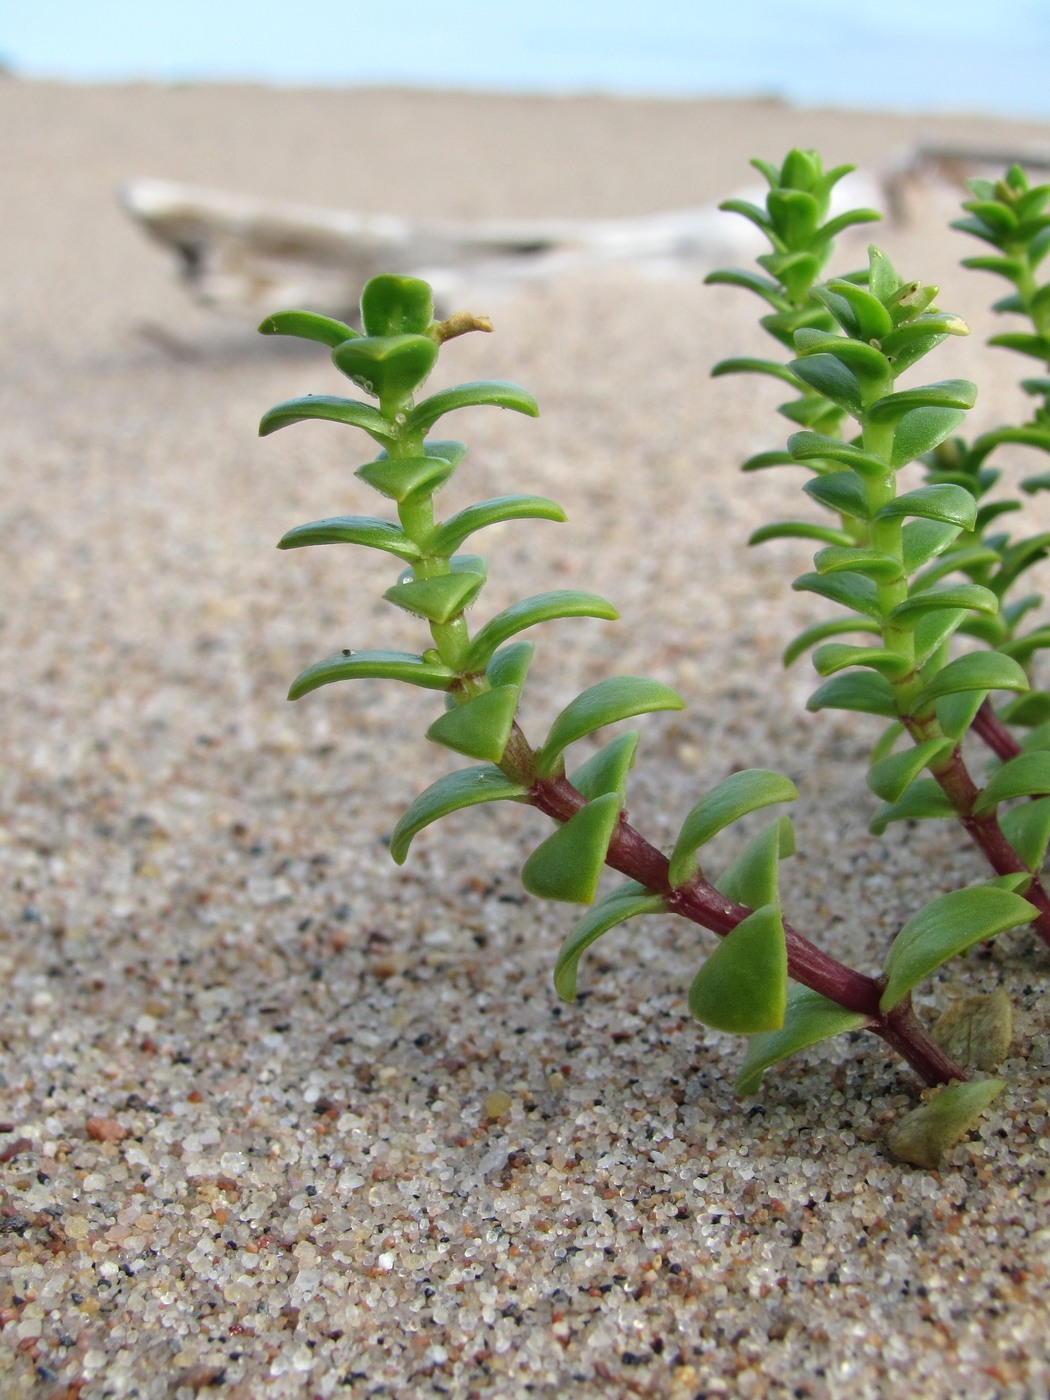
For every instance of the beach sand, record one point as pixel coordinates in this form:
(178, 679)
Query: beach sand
(247, 1061)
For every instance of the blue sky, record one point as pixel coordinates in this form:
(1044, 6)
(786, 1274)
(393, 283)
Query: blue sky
(907, 54)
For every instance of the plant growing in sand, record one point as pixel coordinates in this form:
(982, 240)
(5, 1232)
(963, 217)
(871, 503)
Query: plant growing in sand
(914, 569)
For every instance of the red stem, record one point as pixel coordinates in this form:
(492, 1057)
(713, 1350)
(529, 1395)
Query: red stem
(631, 854)
(988, 726)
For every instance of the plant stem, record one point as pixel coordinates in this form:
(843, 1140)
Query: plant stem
(697, 900)
(988, 726)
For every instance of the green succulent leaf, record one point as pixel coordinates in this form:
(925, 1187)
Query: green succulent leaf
(836, 656)
(923, 540)
(328, 409)
(805, 446)
(352, 529)
(542, 607)
(449, 536)
(820, 631)
(617, 698)
(466, 788)
(969, 596)
(742, 987)
(864, 691)
(922, 800)
(1038, 346)
(869, 563)
(808, 1019)
(866, 363)
(480, 727)
(830, 377)
(924, 1135)
(946, 393)
(1027, 828)
(441, 598)
(953, 504)
(486, 391)
(401, 478)
(839, 491)
(606, 771)
(753, 877)
(568, 865)
(1028, 775)
(799, 530)
(395, 305)
(369, 665)
(870, 319)
(387, 365)
(850, 590)
(627, 901)
(750, 365)
(727, 802)
(307, 325)
(944, 928)
(889, 777)
(956, 712)
(986, 670)
(510, 665)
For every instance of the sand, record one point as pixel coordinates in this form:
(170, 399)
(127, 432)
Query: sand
(249, 1140)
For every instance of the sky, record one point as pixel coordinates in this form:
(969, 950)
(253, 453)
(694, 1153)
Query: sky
(896, 54)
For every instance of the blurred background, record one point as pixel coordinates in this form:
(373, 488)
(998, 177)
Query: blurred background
(899, 55)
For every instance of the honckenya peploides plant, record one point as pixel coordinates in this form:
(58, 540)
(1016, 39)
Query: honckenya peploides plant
(915, 567)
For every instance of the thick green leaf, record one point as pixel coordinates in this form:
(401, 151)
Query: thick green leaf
(368, 665)
(841, 492)
(481, 726)
(944, 928)
(449, 536)
(511, 665)
(763, 460)
(542, 607)
(1030, 709)
(352, 529)
(889, 777)
(869, 563)
(920, 431)
(969, 596)
(799, 530)
(748, 365)
(401, 478)
(606, 771)
(836, 656)
(1038, 346)
(386, 366)
(947, 393)
(805, 446)
(307, 325)
(753, 877)
(1027, 828)
(953, 504)
(484, 391)
(333, 410)
(395, 305)
(830, 377)
(820, 631)
(865, 691)
(467, 788)
(924, 1135)
(569, 863)
(955, 712)
(1028, 775)
(808, 1019)
(625, 902)
(619, 697)
(442, 598)
(742, 987)
(849, 590)
(867, 363)
(984, 670)
(923, 800)
(871, 317)
(765, 287)
(727, 802)
(923, 540)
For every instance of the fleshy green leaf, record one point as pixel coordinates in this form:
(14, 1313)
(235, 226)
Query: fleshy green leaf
(830, 377)
(441, 598)
(606, 771)
(1028, 775)
(329, 409)
(798, 530)
(569, 863)
(969, 596)
(947, 393)
(1027, 828)
(822, 630)
(923, 540)
(805, 446)
(984, 670)
(836, 656)
(953, 504)
(808, 1018)
(625, 902)
(449, 536)
(483, 391)
(944, 928)
(386, 365)
(307, 325)
(924, 1135)
(403, 477)
(480, 727)
(749, 365)
(742, 987)
(467, 788)
(543, 607)
(841, 492)
(511, 665)
(955, 712)
(923, 800)
(727, 802)
(753, 877)
(849, 590)
(921, 431)
(869, 563)
(395, 305)
(865, 691)
(352, 529)
(889, 777)
(366, 665)
(617, 698)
